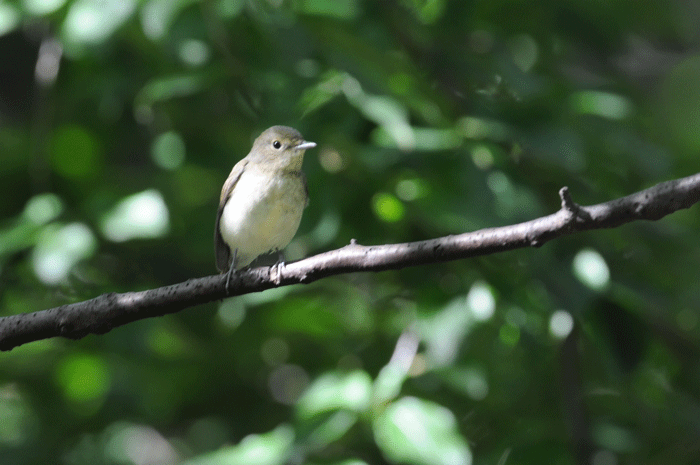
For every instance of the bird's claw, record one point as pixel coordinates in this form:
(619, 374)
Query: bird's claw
(229, 273)
(276, 272)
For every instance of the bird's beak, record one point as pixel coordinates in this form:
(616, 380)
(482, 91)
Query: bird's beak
(305, 145)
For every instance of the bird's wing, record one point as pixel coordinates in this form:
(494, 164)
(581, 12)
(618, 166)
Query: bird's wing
(221, 249)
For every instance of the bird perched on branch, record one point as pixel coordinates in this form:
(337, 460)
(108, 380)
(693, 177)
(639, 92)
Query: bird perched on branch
(262, 200)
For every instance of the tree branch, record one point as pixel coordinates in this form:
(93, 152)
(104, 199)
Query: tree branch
(101, 314)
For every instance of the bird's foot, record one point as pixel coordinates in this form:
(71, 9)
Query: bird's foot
(229, 273)
(276, 272)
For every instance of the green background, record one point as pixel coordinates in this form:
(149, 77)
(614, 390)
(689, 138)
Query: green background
(120, 120)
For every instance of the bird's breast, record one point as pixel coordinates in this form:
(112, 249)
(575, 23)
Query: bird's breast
(262, 214)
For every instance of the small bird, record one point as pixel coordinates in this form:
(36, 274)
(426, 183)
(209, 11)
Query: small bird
(262, 200)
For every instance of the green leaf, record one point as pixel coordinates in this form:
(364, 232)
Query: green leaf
(271, 448)
(336, 391)
(421, 432)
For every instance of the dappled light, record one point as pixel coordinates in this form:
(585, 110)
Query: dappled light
(590, 268)
(456, 306)
(142, 215)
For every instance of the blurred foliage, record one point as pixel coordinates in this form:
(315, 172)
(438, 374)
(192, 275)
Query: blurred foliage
(120, 120)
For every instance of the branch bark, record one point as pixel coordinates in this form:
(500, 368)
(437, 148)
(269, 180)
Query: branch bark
(101, 314)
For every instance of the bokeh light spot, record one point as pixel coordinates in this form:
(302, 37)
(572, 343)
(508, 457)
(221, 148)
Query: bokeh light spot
(168, 150)
(143, 216)
(42, 7)
(603, 104)
(83, 377)
(561, 324)
(482, 157)
(58, 249)
(591, 269)
(331, 160)
(387, 207)
(93, 21)
(524, 50)
(194, 52)
(9, 18)
(481, 301)
(43, 208)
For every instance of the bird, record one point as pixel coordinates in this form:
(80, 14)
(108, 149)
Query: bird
(262, 200)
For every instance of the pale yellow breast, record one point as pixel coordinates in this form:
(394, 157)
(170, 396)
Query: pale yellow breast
(262, 214)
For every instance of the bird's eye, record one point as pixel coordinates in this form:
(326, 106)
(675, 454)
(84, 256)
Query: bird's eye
(277, 144)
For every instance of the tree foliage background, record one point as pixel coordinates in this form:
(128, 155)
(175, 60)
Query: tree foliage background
(120, 120)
